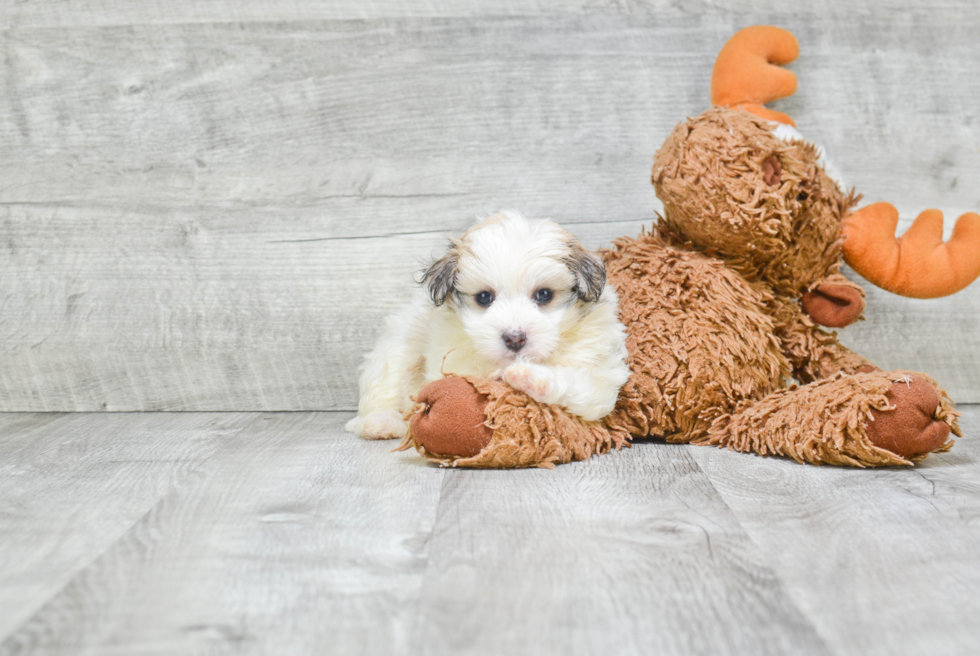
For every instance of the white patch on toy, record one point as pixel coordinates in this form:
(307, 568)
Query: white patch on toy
(904, 379)
(789, 133)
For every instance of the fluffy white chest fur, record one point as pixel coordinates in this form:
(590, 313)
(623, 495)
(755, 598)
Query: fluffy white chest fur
(514, 299)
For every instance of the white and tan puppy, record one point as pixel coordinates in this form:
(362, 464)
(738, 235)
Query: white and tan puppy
(514, 299)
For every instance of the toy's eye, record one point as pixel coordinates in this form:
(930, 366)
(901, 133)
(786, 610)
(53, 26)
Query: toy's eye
(484, 298)
(543, 296)
(802, 196)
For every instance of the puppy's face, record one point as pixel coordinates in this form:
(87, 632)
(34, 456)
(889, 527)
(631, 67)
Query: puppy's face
(516, 286)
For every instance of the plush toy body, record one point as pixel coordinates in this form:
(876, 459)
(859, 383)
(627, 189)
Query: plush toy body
(722, 303)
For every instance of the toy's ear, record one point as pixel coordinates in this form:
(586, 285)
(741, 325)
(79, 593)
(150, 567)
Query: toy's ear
(747, 73)
(440, 277)
(589, 271)
(836, 302)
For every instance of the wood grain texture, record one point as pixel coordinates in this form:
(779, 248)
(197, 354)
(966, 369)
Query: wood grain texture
(170, 533)
(295, 537)
(217, 335)
(886, 561)
(71, 485)
(630, 553)
(68, 13)
(211, 205)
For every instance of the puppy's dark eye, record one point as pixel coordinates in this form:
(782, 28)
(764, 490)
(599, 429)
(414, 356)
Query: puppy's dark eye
(484, 299)
(543, 296)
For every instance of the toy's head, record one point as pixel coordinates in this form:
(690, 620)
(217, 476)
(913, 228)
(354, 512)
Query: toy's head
(732, 188)
(739, 183)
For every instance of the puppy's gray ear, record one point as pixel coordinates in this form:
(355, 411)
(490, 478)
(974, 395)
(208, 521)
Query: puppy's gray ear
(440, 277)
(589, 271)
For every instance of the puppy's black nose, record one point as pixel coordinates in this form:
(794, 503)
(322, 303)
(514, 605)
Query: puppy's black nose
(515, 340)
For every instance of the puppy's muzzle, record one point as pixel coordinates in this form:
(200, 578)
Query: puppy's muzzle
(515, 340)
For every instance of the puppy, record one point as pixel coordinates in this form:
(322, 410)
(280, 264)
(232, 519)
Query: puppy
(512, 299)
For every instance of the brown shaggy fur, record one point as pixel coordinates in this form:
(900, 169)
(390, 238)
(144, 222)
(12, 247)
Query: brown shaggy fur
(820, 423)
(711, 301)
(699, 339)
(785, 235)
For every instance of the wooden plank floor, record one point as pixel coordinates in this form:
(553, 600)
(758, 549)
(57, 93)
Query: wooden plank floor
(255, 533)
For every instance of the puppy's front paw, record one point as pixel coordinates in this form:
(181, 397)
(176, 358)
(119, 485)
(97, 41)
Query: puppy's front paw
(533, 380)
(379, 425)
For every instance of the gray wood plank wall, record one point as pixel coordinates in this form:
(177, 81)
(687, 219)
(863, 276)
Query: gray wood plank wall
(211, 205)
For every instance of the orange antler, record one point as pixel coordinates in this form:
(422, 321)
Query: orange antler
(745, 76)
(917, 264)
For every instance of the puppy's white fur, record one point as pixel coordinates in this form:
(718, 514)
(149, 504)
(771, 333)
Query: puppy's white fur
(574, 351)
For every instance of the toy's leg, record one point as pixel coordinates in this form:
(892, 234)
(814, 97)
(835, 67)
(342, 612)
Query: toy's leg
(814, 353)
(467, 422)
(867, 419)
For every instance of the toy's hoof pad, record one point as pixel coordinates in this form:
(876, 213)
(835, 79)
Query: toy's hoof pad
(453, 422)
(910, 429)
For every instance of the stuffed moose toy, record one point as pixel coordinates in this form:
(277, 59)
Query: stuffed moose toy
(723, 302)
